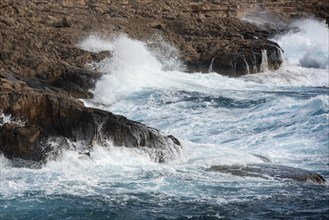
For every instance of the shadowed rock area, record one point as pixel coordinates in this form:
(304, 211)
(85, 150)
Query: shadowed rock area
(269, 171)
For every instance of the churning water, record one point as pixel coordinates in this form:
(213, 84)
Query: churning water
(282, 115)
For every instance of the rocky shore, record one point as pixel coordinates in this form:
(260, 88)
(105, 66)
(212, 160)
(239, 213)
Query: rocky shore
(43, 72)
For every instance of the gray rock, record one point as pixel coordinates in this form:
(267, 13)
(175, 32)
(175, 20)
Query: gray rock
(267, 171)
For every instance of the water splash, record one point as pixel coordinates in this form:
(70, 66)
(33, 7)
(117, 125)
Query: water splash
(264, 64)
(211, 65)
(7, 118)
(308, 46)
(131, 67)
(95, 43)
(247, 65)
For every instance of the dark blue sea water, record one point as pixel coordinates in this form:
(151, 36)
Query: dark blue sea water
(282, 115)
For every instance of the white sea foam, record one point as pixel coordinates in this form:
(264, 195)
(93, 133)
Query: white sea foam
(120, 170)
(292, 75)
(131, 67)
(4, 119)
(7, 118)
(105, 164)
(308, 46)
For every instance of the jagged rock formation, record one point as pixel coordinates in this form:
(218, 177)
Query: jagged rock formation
(48, 116)
(235, 47)
(41, 68)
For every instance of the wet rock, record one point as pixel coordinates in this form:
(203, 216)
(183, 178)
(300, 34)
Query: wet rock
(232, 47)
(77, 81)
(47, 114)
(22, 142)
(267, 171)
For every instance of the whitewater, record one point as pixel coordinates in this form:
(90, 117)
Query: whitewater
(280, 116)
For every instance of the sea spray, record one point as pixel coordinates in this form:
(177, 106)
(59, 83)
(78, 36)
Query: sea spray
(210, 69)
(290, 75)
(264, 64)
(305, 57)
(95, 43)
(166, 53)
(130, 67)
(194, 92)
(7, 118)
(186, 92)
(307, 46)
(4, 119)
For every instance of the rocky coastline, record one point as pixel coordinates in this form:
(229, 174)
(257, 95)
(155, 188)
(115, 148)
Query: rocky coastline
(43, 73)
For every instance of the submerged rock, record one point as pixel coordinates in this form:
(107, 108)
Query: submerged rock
(267, 171)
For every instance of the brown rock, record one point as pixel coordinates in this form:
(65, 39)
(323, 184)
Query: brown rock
(66, 21)
(18, 141)
(72, 3)
(77, 81)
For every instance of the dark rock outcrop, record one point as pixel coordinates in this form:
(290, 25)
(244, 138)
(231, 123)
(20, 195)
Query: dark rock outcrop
(267, 171)
(233, 47)
(23, 142)
(47, 115)
(77, 81)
